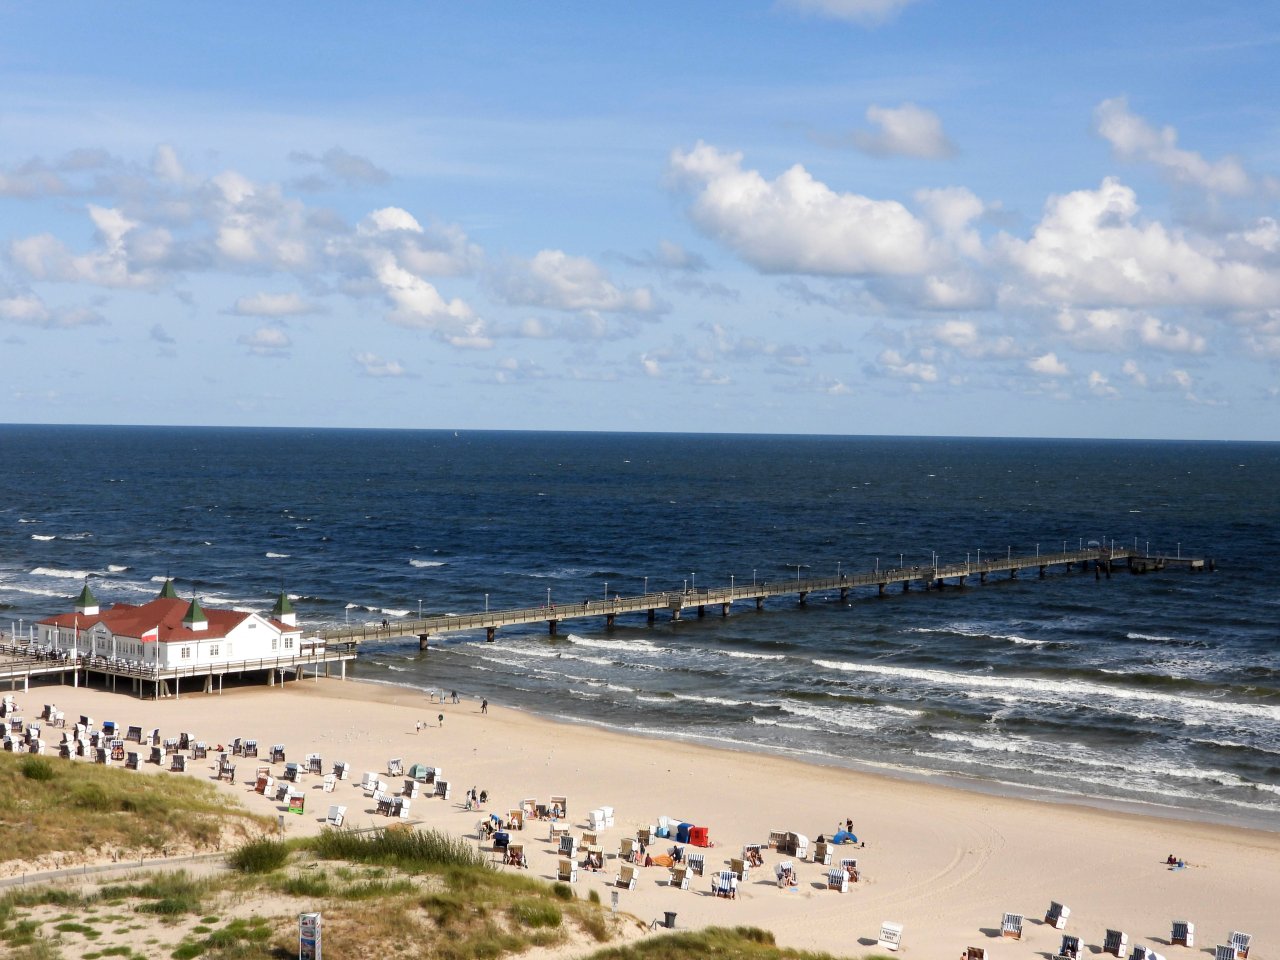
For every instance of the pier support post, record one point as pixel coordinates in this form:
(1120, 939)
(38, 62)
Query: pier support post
(906, 586)
(653, 614)
(702, 610)
(844, 594)
(553, 627)
(1013, 574)
(1042, 569)
(804, 597)
(880, 589)
(422, 640)
(759, 603)
(608, 620)
(489, 634)
(675, 614)
(982, 577)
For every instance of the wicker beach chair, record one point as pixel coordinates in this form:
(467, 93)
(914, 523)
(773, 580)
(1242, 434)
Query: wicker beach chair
(1011, 926)
(1183, 934)
(568, 871)
(838, 880)
(1056, 915)
(1116, 942)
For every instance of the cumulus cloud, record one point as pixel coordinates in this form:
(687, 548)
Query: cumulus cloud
(267, 342)
(372, 365)
(1117, 330)
(1132, 138)
(905, 131)
(114, 263)
(1100, 386)
(1048, 365)
(893, 363)
(555, 280)
(1092, 249)
(854, 11)
(26, 309)
(796, 224)
(273, 305)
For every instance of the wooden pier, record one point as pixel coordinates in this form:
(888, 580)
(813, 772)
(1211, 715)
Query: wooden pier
(1101, 561)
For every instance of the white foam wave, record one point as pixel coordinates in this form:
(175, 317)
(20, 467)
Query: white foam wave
(426, 563)
(1079, 691)
(852, 718)
(25, 520)
(43, 537)
(276, 556)
(1158, 638)
(63, 574)
(636, 646)
(116, 568)
(717, 701)
(740, 655)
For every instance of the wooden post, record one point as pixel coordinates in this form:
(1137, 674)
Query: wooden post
(423, 638)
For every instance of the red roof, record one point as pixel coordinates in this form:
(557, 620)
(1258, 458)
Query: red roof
(161, 615)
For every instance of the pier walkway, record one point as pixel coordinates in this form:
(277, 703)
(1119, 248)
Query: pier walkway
(1101, 560)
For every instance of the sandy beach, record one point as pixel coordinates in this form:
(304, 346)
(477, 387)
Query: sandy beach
(944, 862)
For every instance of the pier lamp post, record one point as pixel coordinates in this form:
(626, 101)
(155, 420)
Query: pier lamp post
(1080, 544)
(606, 589)
(1037, 549)
(899, 561)
(797, 573)
(419, 609)
(1008, 553)
(1064, 546)
(686, 585)
(486, 603)
(731, 583)
(693, 581)
(1179, 549)
(979, 556)
(646, 586)
(877, 564)
(548, 598)
(753, 576)
(837, 569)
(1148, 550)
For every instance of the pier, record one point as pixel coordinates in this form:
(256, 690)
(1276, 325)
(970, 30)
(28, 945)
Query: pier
(1100, 561)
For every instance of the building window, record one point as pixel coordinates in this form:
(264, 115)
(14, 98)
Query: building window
(213, 651)
(288, 643)
(185, 654)
(275, 643)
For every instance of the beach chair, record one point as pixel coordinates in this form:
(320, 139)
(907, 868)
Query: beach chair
(250, 748)
(595, 820)
(838, 880)
(1241, 942)
(177, 765)
(1116, 942)
(1224, 951)
(184, 739)
(330, 782)
(103, 756)
(725, 884)
(442, 789)
(850, 866)
(679, 878)
(395, 767)
(1070, 948)
(501, 840)
(627, 877)
(277, 753)
(890, 936)
(595, 857)
(315, 764)
(199, 750)
(1184, 934)
(785, 872)
(296, 801)
(1011, 926)
(753, 853)
(1056, 915)
(1144, 953)
(411, 788)
(153, 738)
(400, 807)
(568, 871)
(645, 835)
(563, 804)
(975, 953)
(697, 863)
(368, 781)
(589, 839)
(515, 855)
(225, 772)
(117, 750)
(337, 814)
(291, 771)
(822, 854)
(568, 846)
(740, 868)
(608, 816)
(381, 803)
(158, 756)
(264, 785)
(529, 808)
(282, 792)
(170, 744)
(627, 850)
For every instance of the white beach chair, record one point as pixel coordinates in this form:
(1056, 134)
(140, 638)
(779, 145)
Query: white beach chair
(395, 767)
(1071, 948)
(850, 866)
(369, 781)
(330, 781)
(697, 863)
(679, 878)
(337, 814)
(442, 789)
(1116, 943)
(608, 816)
(1224, 951)
(975, 953)
(277, 753)
(740, 868)
(342, 770)
(725, 884)
(315, 764)
(1183, 934)
(568, 871)
(411, 788)
(1011, 926)
(838, 880)
(1241, 942)
(785, 872)
(890, 935)
(627, 850)
(1056, 915)
(822, 854)
(568, 846)
(400, 808)
(563, 804)
(595, 820)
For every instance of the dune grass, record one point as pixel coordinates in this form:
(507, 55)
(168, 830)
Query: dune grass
(737, 943)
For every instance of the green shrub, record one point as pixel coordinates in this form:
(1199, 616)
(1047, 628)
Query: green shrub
(534, 914)
(36, 768)
(260, 856)
(562, 890)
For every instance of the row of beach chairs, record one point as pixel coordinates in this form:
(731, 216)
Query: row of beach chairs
(1116, 942)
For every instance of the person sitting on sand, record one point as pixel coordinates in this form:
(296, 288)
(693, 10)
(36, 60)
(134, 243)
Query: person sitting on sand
(754, 858)
(484, 797)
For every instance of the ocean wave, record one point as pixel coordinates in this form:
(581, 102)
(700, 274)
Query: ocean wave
(636, 646)
(1060, 691)
(426, 563)
(43, 537)
(835, 716)
(715, 701)
(61, 574)
(116, 568)
(742, 655)
(276, 556)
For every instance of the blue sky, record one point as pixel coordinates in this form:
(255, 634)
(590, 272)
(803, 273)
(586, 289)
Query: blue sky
(817, 216)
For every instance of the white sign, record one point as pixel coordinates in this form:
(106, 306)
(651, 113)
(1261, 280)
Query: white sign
(890, 935)
(613, 901)
(309, 946)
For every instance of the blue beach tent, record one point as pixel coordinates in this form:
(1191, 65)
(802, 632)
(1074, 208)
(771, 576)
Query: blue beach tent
(844, 836)
(682, 832)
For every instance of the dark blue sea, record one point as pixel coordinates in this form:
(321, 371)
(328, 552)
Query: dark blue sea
(1160, 689)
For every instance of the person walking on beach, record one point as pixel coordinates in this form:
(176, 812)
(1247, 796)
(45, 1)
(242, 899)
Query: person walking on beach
(441, 719)
(419, 727)
(484, 706)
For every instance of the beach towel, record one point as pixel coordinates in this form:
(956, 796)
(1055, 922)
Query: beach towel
(662, 860)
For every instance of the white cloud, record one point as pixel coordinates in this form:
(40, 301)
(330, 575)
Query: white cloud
(1134, 372)
(904, 131)
(651, 366)
(555, 280)
(417, 303)
(1048, 365)
(267, 341)
(854, 11)
(348, 167)
(1100, 386)
(795, 224)
(894, 364)
(274, 305)
(371, 365)
(44, 257)
(1091, 249)
(1133, 138)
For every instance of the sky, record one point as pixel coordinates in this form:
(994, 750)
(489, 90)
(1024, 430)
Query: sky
(918, 217)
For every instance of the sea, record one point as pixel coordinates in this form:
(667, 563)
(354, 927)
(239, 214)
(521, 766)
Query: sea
(1155, 691)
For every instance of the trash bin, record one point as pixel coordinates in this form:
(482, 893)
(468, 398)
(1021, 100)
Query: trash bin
(670, 922)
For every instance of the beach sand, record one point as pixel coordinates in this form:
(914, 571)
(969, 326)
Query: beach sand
(944, 862)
